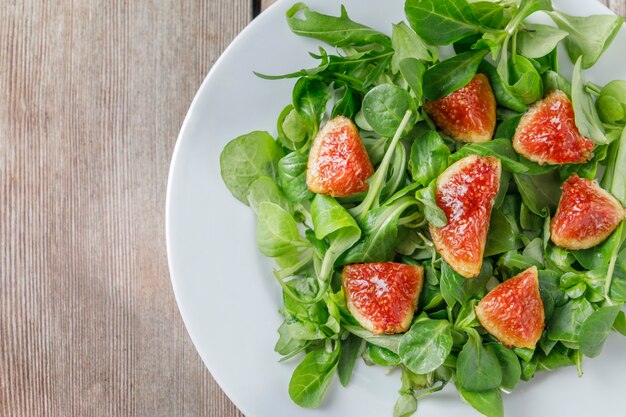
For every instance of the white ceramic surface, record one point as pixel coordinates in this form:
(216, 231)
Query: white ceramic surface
(225, 291)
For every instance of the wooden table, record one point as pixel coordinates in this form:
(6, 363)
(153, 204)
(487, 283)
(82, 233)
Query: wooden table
(92, 95)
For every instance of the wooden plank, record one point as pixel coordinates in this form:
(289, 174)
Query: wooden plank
(618, 6)
(92, 95)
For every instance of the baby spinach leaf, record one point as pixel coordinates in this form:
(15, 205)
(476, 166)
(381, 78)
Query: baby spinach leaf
(292, 177)
(429, 157)
(500, 148)
(305, 321)
(539, 191)
(277, 231)
(351, 349)
(511, 370)
(600, 255)
(413, 72)
(452, 74)
(526, 81)
(614, 179)
(247, 158)
(337, 31)
(554, 360)
(489, 14)
(382, 356)
(536, 41)
(506, 128)
(620, 323)
(456, 288)
(407, 44)
(293, 132)
(329, 217)
(587, 120)
(385, 106)
(309, 100)
(589, 36)
(311, 379)
(555, 81)
(426, 345)
(287, 344)
(389, 342)
(596, 329)
(441, 22)
(466, 317)
(503, 233)
(348, 104)
(477, 368)
(567, 320)
(405, 406)
(433, 214)
(266, 189)
(488, 403)
(529, 368)
(333, 222)
(504, 95)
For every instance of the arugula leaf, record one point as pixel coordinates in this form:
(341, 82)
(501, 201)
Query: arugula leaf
(452, 74)
(379, 234)
(407, 44)
(337, 31)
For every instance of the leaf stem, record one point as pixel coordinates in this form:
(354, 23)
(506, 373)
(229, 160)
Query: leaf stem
(378, 178)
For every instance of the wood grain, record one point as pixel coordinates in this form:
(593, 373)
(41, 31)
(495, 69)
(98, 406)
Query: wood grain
(92, 95)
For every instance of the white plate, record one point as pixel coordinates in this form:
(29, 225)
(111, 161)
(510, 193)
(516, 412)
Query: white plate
(225, 291)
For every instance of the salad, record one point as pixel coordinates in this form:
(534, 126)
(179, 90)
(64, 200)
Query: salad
(457, 215)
